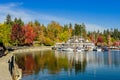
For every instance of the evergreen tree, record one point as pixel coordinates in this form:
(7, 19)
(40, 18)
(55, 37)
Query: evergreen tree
(8, 20)
(18, 21)
(36, 23)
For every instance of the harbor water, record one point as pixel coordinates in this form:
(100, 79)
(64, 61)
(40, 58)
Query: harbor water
(56, 65)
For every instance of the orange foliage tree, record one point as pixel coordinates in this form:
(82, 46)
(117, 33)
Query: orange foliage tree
(53, 31)
(39, 34)
(29, 34)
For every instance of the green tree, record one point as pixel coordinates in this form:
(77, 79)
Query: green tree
(79, 30)
(18, 21)
(70, 30)
(8, 20)
(64, 36)
(37, 23)
(65, 28)
(83, 31)
(5, 31)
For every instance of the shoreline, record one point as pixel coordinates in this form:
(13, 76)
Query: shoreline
(32, 49)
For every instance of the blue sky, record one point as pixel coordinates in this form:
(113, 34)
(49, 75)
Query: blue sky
(96, 14)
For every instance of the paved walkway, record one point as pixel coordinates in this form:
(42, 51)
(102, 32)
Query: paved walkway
(4, 67)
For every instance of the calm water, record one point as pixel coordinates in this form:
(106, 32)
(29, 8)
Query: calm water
(53, 65)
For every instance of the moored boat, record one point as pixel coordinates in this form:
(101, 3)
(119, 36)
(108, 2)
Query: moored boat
(97, 49)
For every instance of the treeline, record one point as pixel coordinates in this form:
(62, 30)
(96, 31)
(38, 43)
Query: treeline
(16, 32)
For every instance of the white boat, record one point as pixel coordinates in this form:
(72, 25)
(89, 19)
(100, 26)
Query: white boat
(79, 49)
(97, 49)
(68, 49)
(59, 49)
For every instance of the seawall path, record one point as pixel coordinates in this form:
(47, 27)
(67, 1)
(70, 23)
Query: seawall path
(4, 67)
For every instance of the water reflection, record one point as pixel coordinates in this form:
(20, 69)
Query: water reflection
(70, 63)
(76, 61)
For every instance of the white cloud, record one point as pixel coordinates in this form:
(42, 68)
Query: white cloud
(28, 15)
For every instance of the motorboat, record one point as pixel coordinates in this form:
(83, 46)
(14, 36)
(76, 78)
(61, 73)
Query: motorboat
(97, 49)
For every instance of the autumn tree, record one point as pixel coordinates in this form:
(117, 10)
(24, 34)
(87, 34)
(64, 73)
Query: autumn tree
(29, 34)
(92, 37)
(100, 40)
(40, 32)
(36, 28)
(17, 35)
(53, 31)
(5, 31)
(116, 43)
(65, 33)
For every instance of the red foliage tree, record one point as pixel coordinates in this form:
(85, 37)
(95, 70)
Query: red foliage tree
(17, 34)
(116, 43)
(29, 34)
(100, 39)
